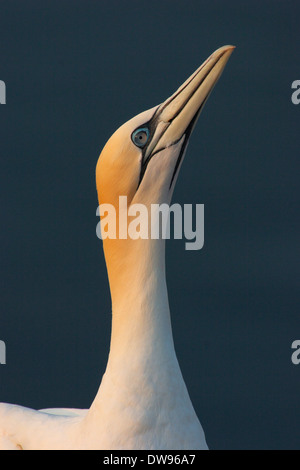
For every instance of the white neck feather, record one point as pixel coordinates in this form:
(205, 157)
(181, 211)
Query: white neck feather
(141, 338)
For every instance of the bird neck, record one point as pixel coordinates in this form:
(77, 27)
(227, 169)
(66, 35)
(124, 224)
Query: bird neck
(141, 325)
(142, 352)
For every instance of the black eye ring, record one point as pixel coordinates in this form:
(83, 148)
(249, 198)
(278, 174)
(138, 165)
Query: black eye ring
(140, 137)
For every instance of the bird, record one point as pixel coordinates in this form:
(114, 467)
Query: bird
(142, 402)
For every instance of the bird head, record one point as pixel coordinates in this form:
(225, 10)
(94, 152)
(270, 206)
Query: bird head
(142, 158)
(141, 161)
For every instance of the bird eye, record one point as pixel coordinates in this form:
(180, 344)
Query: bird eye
(140, 137)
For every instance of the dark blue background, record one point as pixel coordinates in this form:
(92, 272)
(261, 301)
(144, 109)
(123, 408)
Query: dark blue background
(75, 71)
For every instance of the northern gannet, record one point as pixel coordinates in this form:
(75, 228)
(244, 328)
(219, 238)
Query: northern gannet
(142, 401)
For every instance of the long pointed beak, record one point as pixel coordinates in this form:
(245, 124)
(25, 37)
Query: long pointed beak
(178, 114)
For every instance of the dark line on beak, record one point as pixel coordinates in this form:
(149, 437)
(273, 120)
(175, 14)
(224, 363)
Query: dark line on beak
(192, 94)
(187, 133)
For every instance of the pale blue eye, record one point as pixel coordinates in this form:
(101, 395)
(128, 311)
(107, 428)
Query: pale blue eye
(140, 137)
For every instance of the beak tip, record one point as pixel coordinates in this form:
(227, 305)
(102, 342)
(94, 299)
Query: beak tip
(223, 53)
(229, 48)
